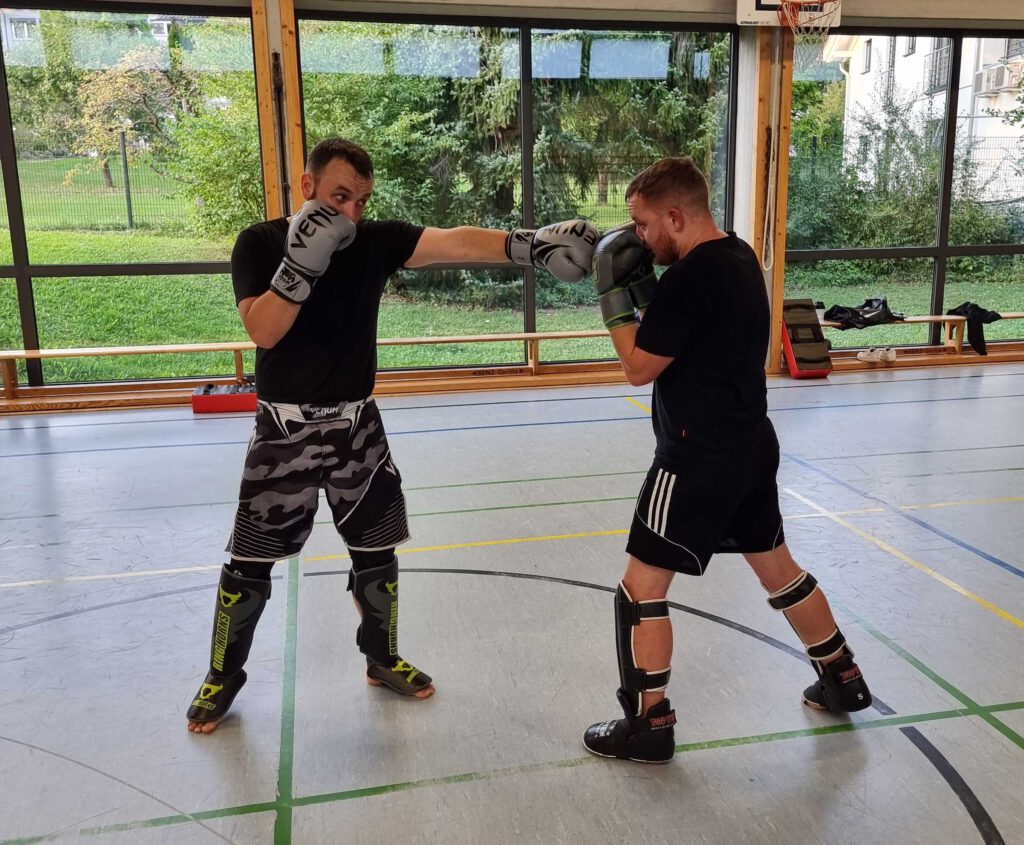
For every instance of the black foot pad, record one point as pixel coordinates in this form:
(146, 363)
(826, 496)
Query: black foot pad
(841, 689)
(649, 739)
(214, 698)
(400, 676)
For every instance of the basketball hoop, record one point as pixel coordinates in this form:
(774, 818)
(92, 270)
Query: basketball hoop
(810, 18)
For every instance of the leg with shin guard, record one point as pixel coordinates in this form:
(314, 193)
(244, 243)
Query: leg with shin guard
(240, 603)
(840, 687)
(376, 591)
(644, 738)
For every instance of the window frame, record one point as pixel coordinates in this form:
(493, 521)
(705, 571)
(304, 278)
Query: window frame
(941, 251)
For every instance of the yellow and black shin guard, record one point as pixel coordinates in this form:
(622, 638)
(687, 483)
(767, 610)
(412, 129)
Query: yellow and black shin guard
(376, 590)
(240, 603)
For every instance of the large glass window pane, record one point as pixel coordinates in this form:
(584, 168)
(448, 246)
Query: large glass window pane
(136, 311)
(988, 187)
(6, 254)
(437, 107)
(10, 322)
(411, 310)
(867, 142)
(996, 283)
(606, 105)
(135, 132)
(905, 283)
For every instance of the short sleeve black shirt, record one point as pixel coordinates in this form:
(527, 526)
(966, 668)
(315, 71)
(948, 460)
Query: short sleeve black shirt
(329, 355)
(710, 312)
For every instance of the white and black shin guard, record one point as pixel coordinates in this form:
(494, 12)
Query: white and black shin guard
(644, 738)
(634, 681)
(240, 603)
(376, 591)
(840, 686)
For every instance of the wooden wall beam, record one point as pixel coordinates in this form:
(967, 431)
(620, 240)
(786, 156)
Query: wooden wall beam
(270, 154)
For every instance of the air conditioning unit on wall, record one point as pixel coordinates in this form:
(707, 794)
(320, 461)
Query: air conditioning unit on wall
(993, 81)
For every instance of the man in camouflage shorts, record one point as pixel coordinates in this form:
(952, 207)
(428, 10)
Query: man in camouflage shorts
(314, 322)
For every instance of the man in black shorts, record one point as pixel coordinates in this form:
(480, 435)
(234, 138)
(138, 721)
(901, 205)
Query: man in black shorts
(702, 339)
(308, 290)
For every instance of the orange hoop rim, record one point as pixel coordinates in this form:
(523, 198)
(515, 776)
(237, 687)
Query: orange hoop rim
(808, 17)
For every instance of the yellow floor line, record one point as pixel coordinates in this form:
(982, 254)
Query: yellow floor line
(481, 543)
(963, 502)
(641, 406)
(109, 576)
(896, 553)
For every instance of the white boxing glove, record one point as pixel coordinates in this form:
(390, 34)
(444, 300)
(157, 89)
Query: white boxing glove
(315, 233)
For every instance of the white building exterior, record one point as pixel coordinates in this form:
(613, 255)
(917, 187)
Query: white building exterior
(918, 67)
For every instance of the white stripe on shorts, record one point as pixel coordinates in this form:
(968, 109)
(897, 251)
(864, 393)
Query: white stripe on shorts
(661, 498)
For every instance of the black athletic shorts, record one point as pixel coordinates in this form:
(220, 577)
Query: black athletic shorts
(728, 502)
(297, 450)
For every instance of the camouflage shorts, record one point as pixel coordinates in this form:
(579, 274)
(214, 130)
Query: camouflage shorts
(296, 450)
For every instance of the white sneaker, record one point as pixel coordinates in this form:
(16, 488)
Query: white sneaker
(877, 354)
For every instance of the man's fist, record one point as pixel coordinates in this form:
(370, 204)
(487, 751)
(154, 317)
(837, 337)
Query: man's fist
(564, 249)
(315, 233)
(623, 276)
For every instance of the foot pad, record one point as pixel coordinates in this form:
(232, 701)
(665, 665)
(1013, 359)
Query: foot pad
(400, 676)
(647, 739)
(840, 689)
(215, 696)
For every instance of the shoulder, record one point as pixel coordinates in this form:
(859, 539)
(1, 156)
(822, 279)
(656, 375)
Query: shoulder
(387, 229)
(264, 233)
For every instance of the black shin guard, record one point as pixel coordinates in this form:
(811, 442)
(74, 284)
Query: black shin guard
(240, 603)
(646, 738)
(840, 686)
(376, 590)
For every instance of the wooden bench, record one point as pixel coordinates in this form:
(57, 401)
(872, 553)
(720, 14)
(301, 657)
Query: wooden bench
(9, 358)
(953, 328)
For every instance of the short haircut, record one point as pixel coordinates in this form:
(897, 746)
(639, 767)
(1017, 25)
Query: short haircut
(676, 179)
(331, 148)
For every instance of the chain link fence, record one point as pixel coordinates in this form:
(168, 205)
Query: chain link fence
(117, 192)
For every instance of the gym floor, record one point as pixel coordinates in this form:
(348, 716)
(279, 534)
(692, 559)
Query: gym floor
(902, 494)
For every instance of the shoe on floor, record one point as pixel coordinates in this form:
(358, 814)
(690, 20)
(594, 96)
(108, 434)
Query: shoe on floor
(877, 354)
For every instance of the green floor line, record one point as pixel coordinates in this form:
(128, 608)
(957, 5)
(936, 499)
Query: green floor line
(164, 821)
(331, 797)
(286, 763)
(971, 705)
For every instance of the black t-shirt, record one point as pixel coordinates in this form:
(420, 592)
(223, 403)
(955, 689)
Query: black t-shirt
(710, 312)
(329, 355)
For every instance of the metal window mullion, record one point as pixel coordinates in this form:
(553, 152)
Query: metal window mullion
(946, 185)
(730, 138)
(16, 223)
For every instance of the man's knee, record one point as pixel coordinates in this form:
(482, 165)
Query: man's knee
(644, 581)
(775, 569)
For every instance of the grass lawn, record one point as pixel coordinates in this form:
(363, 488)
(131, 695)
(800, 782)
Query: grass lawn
(112, 311)
(150, 310)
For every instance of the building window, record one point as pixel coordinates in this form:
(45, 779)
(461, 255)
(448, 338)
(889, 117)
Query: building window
(867, 56)
(158, 28)
(1014, 47)
(23, 29)
(911, 45)
(936, 67)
